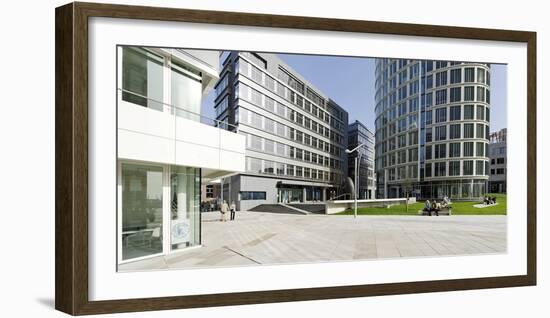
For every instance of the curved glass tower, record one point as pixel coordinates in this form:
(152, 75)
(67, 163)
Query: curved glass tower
(432, 128)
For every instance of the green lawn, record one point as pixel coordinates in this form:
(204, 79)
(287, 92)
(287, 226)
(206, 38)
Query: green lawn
(459, 208)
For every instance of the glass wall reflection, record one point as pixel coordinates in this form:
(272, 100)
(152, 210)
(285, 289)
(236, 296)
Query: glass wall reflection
(141, 210)
(185, 207)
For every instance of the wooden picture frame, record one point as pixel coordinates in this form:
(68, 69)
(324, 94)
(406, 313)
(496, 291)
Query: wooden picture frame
(71, 124)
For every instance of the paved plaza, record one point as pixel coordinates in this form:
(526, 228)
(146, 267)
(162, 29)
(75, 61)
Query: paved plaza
(272, 238)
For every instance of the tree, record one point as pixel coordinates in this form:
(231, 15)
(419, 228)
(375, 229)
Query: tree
(408, 189)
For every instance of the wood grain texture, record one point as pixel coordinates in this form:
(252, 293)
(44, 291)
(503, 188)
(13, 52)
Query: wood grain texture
(72, 157)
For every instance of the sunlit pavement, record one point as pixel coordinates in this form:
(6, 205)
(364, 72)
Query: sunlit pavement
(270, 238)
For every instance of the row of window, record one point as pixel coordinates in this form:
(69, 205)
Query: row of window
(252, 195)
(276, 148)
(265, 80)
(271, 126)
(255, 97)
(440, 169)
(498, 161)
(437, 151)
(498, 171)
(436, 133)
(263, 166)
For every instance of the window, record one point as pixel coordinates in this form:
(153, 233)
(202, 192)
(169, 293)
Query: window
(454, 168)
(402, 109)
(468, 149)
(500, 161)
(255, 165)
(428, 170)
(440, 115)
(255, 142)
(413, 138)
(413, 154)
(142, 201)
(468, 131)
(440, 64)
(402, 141)
(429, 81)
(454, 131)
(269, 167)
(454, 149)
(428, 152)
(481, 75)
(429, 99)
(455, 94)
(480, 112)
(455, 112)
(440, 169)
(253, 195)
(441, 133)
(413, 105)
(428, 117)
(269, 146)
(413, 88)
(290, 170)
(428, 134)
(441, 79)
(480, 131)
(479, 167)
(480, 97)
(441, 96)
(440, 151)
(469, 74)
(142, 78)
(468, 167)
(500, 171)
(456, 76)
(480, 149)
(468, 112)
(401, 157)
(469, 93)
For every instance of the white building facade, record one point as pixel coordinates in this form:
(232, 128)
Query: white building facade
(166, 149)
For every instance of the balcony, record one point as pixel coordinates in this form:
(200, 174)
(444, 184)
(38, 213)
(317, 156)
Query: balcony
(176, 136)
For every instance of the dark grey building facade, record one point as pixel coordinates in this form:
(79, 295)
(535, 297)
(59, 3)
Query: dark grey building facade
(359, 134)
(498, 157)
(432, 128)
(296, 135)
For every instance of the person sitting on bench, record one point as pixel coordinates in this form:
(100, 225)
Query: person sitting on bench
(446, 202)
(427, 206)
(436, 206)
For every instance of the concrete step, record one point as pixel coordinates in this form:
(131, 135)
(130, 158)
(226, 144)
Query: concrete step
(310, 208)
(274, 208)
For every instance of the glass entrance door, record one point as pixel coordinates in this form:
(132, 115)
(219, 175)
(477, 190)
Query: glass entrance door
(184, 207)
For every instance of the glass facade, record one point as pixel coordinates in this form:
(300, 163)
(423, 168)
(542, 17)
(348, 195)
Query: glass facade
(452, 126)
(142, 189)
(184, 207)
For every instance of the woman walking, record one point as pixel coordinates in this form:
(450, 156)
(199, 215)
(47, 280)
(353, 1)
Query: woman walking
(224, 209)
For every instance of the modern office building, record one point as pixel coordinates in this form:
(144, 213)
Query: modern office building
(359, 134)
(432, 128)
(295, 135)
(497, 155)
(164, 150)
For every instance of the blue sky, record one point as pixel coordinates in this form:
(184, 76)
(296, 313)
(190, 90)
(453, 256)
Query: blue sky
(350, 82)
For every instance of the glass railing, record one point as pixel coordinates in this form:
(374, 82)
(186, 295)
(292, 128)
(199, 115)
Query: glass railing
(147, 102)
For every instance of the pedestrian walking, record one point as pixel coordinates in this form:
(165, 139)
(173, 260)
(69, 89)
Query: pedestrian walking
(233, 209)
(224, 209)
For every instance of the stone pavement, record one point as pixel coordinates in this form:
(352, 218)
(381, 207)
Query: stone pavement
(270, 238)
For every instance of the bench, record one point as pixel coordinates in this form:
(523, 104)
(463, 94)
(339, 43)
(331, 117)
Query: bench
(443, 211)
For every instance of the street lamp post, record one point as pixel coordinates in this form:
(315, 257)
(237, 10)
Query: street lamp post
(356, 188)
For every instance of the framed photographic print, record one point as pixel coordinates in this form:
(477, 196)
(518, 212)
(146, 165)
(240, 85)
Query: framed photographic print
(210, 158)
